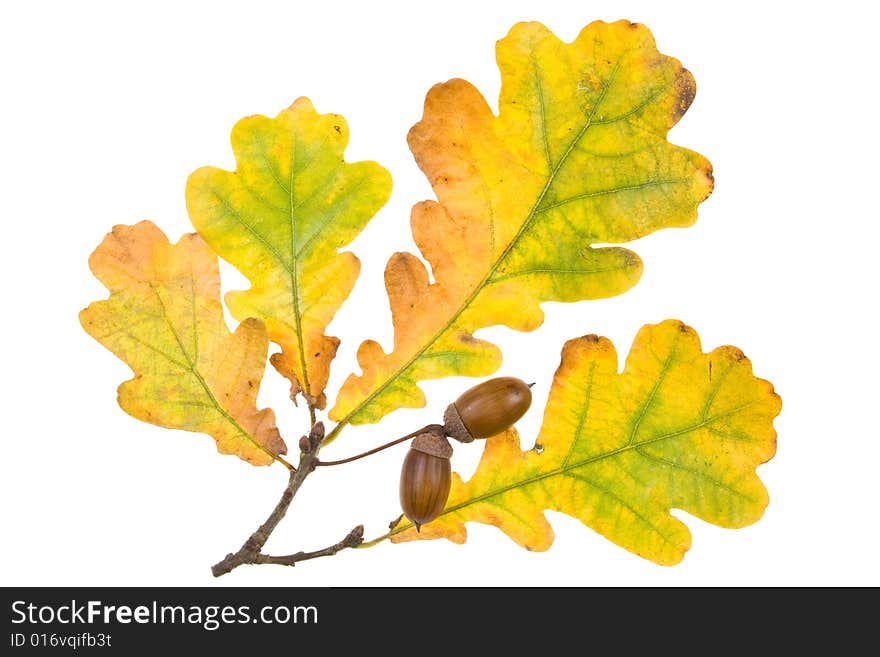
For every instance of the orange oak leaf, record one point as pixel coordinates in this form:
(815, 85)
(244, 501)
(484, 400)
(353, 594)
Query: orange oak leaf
(529, 200)
(164, 319)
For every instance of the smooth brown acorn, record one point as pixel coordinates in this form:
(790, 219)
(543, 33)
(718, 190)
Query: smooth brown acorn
(426, 477)
(487, 409)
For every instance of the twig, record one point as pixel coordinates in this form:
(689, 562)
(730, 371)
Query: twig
(354, 538)
(428, 427)
(251, 548)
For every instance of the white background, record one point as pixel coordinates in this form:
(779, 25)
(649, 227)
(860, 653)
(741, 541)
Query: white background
(107, 107)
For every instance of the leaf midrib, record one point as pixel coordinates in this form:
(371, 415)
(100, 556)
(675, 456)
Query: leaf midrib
(566, 468)
(482, 283)
(191, 366)
(294, 283)
(291, 267)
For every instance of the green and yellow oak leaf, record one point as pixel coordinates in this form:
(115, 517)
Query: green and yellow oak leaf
(164, 319)
(676, 429)
(576, 158)
(280, 219)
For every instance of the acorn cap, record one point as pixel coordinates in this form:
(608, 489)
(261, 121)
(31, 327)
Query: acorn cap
(454, 425)
(432, 443)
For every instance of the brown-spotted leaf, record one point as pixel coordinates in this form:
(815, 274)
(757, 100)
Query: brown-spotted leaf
(576, 159)
(677, 429)
(164, 319)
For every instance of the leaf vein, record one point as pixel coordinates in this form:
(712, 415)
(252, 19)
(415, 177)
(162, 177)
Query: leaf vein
(696, 473)
(624, 503)
(637, 108)
(614, 190)
(233, 212)
(664, 371)
(481, 284)
(560, 271)
(593, 459)
(191, 367)
(294, 276)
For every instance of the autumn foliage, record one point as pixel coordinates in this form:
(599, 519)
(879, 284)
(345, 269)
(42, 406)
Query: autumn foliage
(531, 206)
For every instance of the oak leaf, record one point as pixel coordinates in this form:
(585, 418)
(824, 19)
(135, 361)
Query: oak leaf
(164, 319)
(280, 219)
(577, 158)
(676, 429)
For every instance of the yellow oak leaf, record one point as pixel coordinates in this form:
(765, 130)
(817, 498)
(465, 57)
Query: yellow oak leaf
(676, 429)
(164, 319)
(577, 158)
(280, 218)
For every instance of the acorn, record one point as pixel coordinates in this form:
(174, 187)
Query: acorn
(487, 409)
(426, 477)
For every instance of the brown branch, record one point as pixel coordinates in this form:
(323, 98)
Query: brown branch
(251, 552)
(354, 538)
(427, 427)
(251, 548)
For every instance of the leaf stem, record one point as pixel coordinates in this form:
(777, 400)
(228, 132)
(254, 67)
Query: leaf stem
(427, 427)
(334, 432)
(375, 541)
(396, 526)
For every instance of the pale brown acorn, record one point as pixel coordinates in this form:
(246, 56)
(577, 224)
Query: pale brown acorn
(426, 477)
(487, 409)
